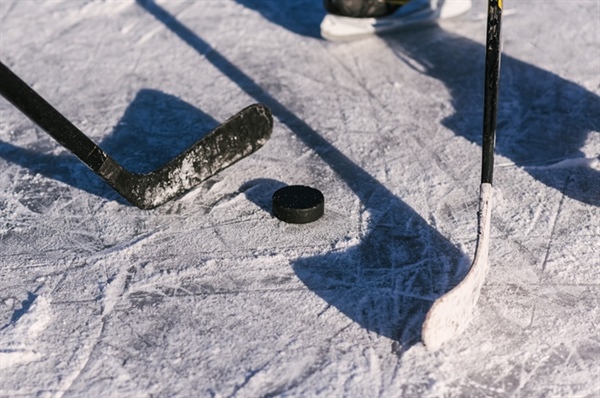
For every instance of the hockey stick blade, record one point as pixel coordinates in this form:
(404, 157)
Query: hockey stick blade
(233, 140)
(451, 313)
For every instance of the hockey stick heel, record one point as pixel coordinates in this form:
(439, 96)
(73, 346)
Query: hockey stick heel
(233, 140)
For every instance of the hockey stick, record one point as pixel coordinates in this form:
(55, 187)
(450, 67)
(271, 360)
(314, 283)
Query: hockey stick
(451, 313)
(236, 138)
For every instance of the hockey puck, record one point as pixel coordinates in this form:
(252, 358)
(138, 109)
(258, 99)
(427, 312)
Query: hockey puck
(298, 204)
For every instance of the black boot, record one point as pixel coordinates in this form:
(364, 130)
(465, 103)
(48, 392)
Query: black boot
(361, 8)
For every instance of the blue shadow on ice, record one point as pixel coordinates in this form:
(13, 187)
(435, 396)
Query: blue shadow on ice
(299, 16)
(386, 283)
(154, 128)
(542, 117)
(25, 306)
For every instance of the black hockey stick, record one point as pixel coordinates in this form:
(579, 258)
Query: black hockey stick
(451, 313)
(236, 138)
(492, 79)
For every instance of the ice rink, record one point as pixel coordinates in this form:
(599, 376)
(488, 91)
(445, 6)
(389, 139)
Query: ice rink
(210, 295)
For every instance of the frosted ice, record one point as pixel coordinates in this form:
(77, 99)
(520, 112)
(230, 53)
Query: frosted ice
(210, 295)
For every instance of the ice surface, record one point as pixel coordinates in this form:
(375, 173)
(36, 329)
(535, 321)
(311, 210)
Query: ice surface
(210, 295)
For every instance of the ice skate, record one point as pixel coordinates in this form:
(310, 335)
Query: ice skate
(356, 19)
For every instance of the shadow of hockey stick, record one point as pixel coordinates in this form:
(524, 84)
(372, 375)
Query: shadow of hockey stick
(388, 281)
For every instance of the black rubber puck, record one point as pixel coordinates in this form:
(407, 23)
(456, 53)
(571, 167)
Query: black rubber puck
(298, 204)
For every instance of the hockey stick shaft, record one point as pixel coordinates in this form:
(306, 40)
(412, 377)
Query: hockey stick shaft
(492, 78)
(49, 119)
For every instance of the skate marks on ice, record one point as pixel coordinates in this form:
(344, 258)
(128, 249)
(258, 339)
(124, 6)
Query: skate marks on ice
(388, 281)
(154, 128)
(543, 119)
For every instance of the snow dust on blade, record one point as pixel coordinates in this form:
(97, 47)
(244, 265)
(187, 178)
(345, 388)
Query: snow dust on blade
(233, 140)
(451, 313)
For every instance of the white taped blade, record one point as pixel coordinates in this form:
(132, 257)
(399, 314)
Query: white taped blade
(452, 312)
